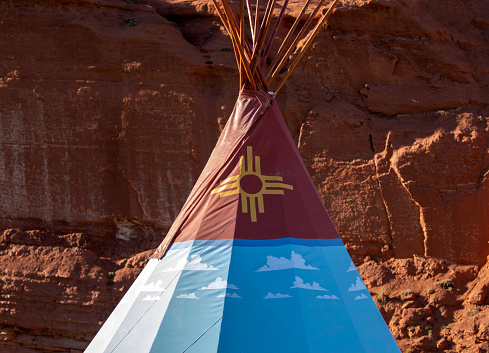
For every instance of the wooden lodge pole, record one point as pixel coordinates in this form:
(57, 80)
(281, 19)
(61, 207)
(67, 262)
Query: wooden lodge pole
(274, 33)
(226, 26)
(247, 51)
(233, 27)
(249, 55)
(265, 24)
(289, 34)
(250, 18)
(285, 57)
(257, 19)
(241, 42)
(306, 45)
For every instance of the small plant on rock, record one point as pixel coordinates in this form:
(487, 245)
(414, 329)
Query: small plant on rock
(131, 21)
(472, 311)
(406, 292)
(381, 298)
(446, 284)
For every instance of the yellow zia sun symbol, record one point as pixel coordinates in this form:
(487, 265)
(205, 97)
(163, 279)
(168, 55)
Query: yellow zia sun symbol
(251, 185)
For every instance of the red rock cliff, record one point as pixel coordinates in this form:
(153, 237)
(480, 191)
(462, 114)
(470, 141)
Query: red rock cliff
(110, 108)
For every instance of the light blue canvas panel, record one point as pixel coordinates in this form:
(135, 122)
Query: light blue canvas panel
(193, 319)
(364, 315)
(282, 295)
(147, 310)
(115, 320)
(292, 301)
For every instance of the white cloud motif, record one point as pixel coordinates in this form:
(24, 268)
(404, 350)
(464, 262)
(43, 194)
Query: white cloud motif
(352, 267)
(281, 263)
(149, 297)
(362, 296)
(153, 287)
(358, 285)
(228, 295)
(188, 296)
(327, 297)
(277, 296)
(299, 283)
(220, 284)
(195, 264)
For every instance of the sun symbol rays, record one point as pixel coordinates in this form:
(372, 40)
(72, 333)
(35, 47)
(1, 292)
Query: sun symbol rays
(250, 171)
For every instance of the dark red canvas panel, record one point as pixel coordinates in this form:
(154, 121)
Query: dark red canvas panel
(255, 185)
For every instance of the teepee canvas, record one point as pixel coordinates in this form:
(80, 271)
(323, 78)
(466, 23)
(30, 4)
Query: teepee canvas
(253, 262)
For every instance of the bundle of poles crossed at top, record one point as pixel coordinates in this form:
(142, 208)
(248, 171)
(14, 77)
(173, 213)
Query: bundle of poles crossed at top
(252, 49)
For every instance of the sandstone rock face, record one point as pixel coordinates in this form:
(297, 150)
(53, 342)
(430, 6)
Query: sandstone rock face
(110, 108)
(100, 118)
(428, 303)
(57, 290)
(417, 192)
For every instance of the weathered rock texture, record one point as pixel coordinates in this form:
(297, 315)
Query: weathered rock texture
(431, 305)
(110, 108)
(57, 290)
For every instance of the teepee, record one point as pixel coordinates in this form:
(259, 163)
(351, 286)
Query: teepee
(253, 262)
